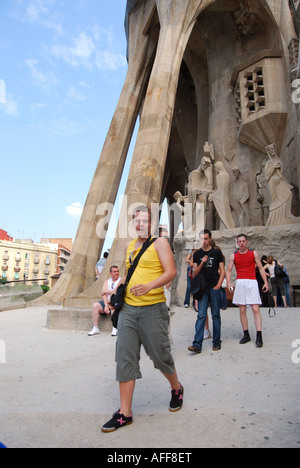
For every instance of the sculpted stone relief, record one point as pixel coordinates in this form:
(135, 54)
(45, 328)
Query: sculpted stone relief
(225, 201)
(280, 191)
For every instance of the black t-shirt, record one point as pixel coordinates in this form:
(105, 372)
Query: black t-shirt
(210, 270)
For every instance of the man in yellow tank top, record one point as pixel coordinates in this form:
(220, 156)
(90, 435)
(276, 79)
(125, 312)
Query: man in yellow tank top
(144, 320)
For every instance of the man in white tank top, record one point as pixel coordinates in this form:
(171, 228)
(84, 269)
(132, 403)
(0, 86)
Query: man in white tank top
(104, 307)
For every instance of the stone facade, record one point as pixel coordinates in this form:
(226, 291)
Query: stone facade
(216, 73)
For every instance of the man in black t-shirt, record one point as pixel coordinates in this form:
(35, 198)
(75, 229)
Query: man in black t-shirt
(210, 263)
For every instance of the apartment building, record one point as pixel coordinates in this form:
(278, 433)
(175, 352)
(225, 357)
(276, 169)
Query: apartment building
(21, 260)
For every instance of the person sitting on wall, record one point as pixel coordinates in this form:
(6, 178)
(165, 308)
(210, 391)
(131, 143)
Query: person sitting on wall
(104, 307)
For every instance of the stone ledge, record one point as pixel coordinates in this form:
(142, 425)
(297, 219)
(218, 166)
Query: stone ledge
(75, 319)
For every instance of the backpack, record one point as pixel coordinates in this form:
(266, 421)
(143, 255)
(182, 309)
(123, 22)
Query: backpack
(279, 271)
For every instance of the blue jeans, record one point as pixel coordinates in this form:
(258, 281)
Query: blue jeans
(214, 298)
(188, 288)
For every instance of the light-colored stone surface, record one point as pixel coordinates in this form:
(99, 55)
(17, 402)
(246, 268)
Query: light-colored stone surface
(58, 387)
(216, 71)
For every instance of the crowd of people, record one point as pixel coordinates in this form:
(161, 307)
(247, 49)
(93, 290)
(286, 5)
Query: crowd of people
(144, 318)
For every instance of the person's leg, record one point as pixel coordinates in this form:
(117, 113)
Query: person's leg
(173, 380)
(188, 288)
(244, 322)
(287, 291)
(243, 317)
(215, 302)
(154, 335)
(97, 309)
(258, 325)
(257, 317)
(274, 290)
(200, 322)
(127, 357)
(126, 395)
(282, 291)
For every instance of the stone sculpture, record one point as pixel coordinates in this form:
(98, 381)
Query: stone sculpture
(186, 214)
(280, 191)
(220, 197)
(200, 186)
(239, 199)
(263, 195)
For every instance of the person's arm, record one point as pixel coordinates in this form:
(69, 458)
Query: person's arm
(262, 272)
(188, 259)
(229, 272)
(166, 258)
(197, 268)
(222, 276)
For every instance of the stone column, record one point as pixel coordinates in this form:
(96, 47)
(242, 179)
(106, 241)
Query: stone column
(80, 271)
(145, 180)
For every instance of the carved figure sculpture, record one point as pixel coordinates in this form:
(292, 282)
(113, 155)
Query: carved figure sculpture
(200, 186)
(280, 191)
(181, 202)
(220, 197)
(239, 198)
(263, 196)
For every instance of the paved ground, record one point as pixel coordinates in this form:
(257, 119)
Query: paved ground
(58, 387)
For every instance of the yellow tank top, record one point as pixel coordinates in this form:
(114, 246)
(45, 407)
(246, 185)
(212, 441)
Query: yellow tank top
(148, 269)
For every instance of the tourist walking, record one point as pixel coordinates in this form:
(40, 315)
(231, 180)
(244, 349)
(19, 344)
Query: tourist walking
(246, 289)
(210, 263)
(144, 320)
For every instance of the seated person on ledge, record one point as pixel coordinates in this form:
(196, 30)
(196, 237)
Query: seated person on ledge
(104, 307)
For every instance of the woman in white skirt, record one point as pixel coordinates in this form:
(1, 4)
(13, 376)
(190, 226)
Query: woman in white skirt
(246, 290)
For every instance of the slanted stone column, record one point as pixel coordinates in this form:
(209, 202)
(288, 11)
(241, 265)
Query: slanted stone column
(80, 272)
(145, 180)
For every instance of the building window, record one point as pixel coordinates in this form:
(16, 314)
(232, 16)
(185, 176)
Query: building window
(255, 90)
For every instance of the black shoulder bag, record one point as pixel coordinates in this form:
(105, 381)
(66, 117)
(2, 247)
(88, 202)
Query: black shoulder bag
(198, 286)
(117, 300)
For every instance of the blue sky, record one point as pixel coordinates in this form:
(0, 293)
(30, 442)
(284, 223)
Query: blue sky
(62, 68)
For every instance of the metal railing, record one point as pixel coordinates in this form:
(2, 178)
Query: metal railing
(21, 281)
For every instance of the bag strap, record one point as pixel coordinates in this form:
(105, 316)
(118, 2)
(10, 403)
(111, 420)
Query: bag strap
(131, 270)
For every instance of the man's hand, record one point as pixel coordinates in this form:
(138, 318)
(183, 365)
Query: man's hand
(140, 290)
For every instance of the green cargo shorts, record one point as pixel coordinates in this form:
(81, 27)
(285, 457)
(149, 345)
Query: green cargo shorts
(147, 326)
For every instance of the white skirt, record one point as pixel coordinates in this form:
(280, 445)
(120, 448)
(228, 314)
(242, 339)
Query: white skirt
(246, 293)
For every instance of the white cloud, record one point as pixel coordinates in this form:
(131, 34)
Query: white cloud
(8, 105)
(106, 60)
(78, 54)
(74, 94)
(64, 127)
(75, 209)
(41, 13)
(87, 50)
(43, 80)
